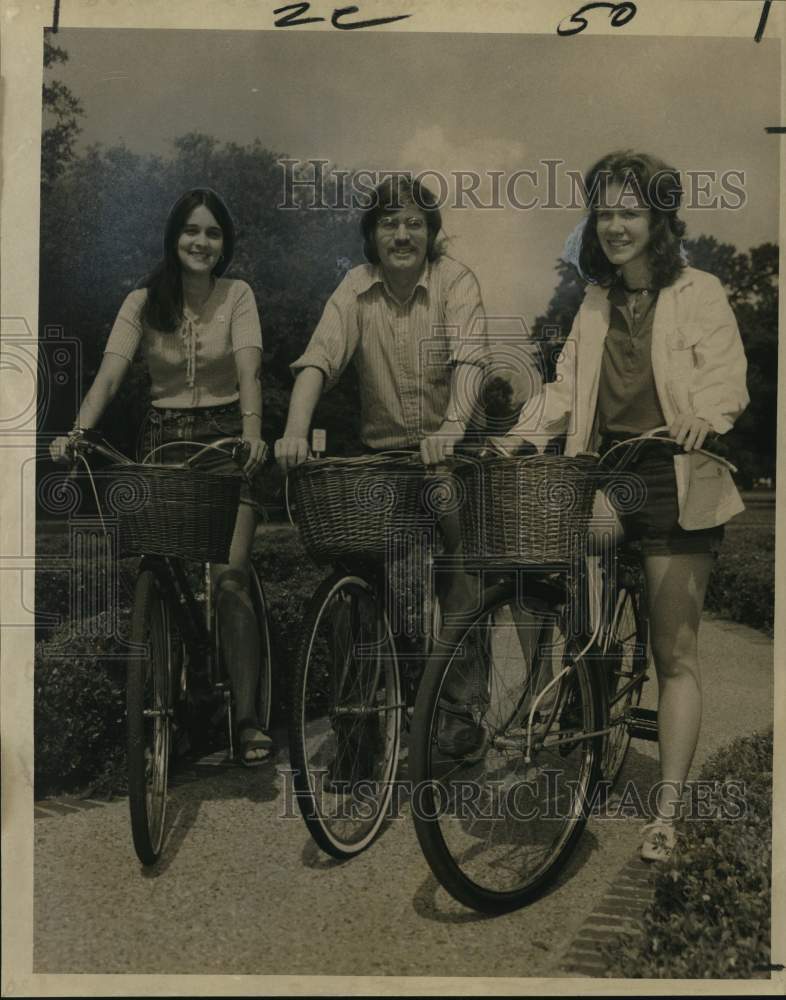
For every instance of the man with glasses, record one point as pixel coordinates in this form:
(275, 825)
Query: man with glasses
(412, 322)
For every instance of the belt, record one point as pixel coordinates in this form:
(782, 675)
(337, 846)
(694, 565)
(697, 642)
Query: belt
(192, 411)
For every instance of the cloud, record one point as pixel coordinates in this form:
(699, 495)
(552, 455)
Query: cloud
(432, 148)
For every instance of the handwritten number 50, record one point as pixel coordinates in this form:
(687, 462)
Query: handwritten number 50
(621, 14)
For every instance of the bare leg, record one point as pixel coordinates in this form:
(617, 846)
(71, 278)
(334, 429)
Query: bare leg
(238, 626)
(676, 585)
(605, 534)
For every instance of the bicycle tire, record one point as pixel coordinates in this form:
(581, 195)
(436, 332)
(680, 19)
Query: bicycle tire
(264, 696)
(346, 712)
(487, 855)
(149, 694)
(622, 662)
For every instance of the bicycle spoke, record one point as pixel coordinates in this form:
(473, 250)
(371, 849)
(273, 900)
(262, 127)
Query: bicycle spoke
(501, 820)
(346, 717)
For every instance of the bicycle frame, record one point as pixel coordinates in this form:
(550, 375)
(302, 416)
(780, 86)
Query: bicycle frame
(197, 625)
(373, 571)
(605, 623)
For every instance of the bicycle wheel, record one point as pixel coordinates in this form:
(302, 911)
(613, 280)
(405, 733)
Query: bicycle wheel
(150, 711)
(264, 700)
(624, 665)
(495, 825)
(346, 716)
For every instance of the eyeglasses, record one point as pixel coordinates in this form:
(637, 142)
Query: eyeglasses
(389, 224)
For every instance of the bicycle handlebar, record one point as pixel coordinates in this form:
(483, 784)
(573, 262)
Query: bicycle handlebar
(86, 441)
(239, 450)
(659, 435)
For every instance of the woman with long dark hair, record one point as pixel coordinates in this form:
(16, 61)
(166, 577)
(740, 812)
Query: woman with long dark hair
(202, 343)
(654, 344)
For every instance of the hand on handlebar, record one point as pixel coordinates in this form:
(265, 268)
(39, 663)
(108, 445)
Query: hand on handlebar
(291, 452)
(63, 449)
(250, 454)
(435, 448)
(689, 431)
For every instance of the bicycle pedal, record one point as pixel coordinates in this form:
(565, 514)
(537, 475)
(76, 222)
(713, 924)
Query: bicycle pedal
(642, 723)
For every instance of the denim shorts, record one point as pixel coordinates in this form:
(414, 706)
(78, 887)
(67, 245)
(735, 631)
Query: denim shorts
(203, 425)
(651, 516)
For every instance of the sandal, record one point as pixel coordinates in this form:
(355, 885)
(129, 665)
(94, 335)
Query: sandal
(659, 840)
(252, 743)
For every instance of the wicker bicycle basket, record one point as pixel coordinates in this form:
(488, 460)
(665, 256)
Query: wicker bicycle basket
(358, 507)
(171, 511)
(527, 511)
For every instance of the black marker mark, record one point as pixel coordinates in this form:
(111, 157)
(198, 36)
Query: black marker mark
(340, 12)
(296, 10)
(765, 13)
(293, 15)
(56, 17)
(777, 967)
(621, 14)
(776, 129)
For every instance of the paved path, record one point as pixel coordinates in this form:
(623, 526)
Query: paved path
(242, 890)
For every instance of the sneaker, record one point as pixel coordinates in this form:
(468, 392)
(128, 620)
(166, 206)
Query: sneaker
(658, 841)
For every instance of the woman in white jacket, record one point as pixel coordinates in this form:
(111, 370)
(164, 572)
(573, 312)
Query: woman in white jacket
(654, 343)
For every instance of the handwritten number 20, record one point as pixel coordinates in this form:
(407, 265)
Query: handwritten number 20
(292, 14)
(621, 13)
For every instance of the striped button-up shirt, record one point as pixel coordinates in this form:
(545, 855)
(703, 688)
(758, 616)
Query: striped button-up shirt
(404, 353)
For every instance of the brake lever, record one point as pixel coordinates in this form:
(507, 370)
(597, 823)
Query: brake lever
(242, 450)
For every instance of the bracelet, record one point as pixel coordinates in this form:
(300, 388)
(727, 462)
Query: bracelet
(250, 413)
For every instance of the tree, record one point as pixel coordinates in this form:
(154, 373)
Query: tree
(61, 107)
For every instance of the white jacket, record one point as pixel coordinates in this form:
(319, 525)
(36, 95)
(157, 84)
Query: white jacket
(698, 365)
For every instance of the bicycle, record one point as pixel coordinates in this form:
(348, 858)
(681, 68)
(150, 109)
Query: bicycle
(559, 708)
(174, 625)
(355, 676)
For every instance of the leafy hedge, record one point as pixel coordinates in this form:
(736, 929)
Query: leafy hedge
(80, 708)
(742, 585)
(710, 917)
(79, 697)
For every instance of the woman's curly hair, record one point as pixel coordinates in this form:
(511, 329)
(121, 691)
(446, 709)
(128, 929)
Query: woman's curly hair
(657, 185)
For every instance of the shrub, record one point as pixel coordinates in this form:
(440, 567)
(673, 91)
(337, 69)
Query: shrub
(710, 917)
(79, 698)
(79, 705)
(742, 584)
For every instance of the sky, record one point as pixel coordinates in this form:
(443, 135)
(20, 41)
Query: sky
(408, 101)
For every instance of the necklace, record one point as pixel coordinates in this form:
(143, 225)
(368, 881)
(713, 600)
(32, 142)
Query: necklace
(637, 299)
